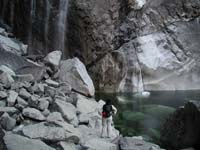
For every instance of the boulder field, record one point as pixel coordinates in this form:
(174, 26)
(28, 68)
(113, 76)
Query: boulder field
(47, 103)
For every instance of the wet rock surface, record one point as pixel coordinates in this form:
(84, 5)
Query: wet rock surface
(181, 130)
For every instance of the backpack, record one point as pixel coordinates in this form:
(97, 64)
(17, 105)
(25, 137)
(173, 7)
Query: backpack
(107, 111)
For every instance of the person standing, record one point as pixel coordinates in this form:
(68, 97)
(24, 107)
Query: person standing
(108, 111)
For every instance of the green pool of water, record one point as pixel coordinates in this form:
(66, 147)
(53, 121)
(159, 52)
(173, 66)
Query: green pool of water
(145, 116)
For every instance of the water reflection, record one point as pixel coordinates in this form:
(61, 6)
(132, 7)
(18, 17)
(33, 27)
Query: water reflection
(145, 116)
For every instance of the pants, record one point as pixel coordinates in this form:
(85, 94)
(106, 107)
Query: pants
(106, 127)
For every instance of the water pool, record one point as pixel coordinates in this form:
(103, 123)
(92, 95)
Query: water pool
(145, 116)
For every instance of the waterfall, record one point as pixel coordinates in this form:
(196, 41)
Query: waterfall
(61, 26)
(32, 16)
(140, 81)
(133, 81)
(47, 24)
(140, 78)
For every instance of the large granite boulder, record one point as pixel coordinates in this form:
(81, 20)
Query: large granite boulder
(56, 118)
(17, 142)
(20, 65)
(12, 97)
(53, 58)
(49, 133)
(74, 72)
(86, 105)
(7, 122)
(33, 114)
(181, 130)
(13, 45)
(67, 110)
(99, 144)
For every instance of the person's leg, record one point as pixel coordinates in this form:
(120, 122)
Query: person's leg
(103, 127)
(109, 127)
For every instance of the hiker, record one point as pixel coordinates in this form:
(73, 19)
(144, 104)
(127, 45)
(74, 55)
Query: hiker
(107, 111)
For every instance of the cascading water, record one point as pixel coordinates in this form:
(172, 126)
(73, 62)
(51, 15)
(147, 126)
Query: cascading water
(133, 81)
(32, 17)
(61, 26)
(47, 24)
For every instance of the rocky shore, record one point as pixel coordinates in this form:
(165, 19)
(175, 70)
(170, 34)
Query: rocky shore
(48, 104)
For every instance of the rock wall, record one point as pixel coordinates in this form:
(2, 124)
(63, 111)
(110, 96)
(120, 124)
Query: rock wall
(158, 41)
(127, 45)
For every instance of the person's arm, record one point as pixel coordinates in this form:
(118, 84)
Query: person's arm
(114, 109)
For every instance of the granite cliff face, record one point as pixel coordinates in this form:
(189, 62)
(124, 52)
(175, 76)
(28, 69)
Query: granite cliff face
(156, 43)
(127, 45)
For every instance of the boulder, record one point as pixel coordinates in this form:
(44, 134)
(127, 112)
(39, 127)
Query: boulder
(9, 110)
(24, 93)
(3, 95)
(33, 114)
(68, 110)
(49, 133)
(48, 98)
(13, 45)
(21, 101)
(38, 72)
(51, 83)
(12, 97)
(67, 146)
(17, 142)
(53, 58)
(12, 61)
(181, 130)
(6, 79)
(7, 122)
(17, 85)
(57, 119)
(37, 88)
(74, 72)
(100, 144)
(86, 105)
(6, 69)
(84, 119)
(24, 78)
(46, 112)
(3, 32)
(127, 143)
(2, 104)
(33, 101)
(43, 104)
(50, 91)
